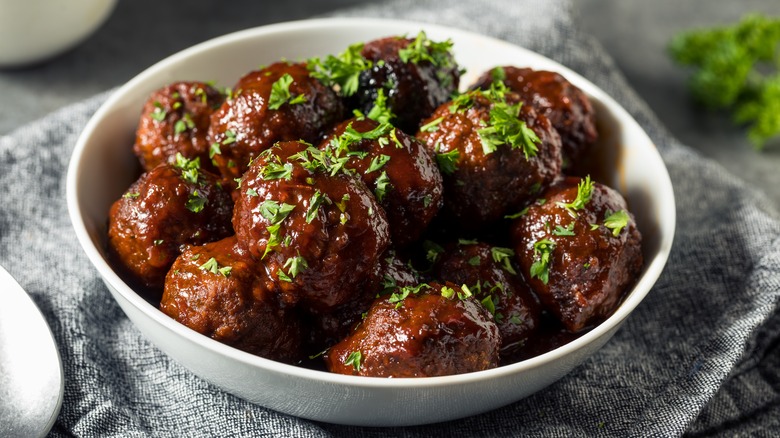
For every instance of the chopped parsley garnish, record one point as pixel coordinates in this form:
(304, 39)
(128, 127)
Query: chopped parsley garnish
(448, 161)
(432, 126)
(520, 213)
(541, 266)
(616, 221)
(230, 137)
(196, 202)
(564, 231)
(377, 163)
(212, 266)
(251, 192)
(342, 70)
(467, 242)
(159, 113)
(280, 93)
(214, 150)
(189, 168)
(423, 49)
(504, 257)
(584, 193)
(461, 103)
(275, 213)
(317, 199)
(397, 298)
(183, 124)
(447, 292)
(432, 251)
(498, 74)
(158, 242)
(131, 195)
(504, 127)
(294, 265)
(474, 261)
(354, 359)
(515, 319)
(380, 112)
(382, 186)
(274, 170)
(488, 303)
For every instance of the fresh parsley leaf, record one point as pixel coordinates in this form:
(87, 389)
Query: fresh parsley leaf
(354, 359)
(616, 221)
(280, 92)
(584, 193)
(540, 268)
(342, 70)
(448, 161)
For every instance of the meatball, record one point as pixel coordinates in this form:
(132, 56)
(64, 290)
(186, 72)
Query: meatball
(429, 330)
(495, 154)
(175, 119)
(318, 231)
(165, 209)
(388, 274)
(568, 108)
(277, 103)
(490, 274)
(215, 289)
(417, 75)
(579, 250)
(398, 169)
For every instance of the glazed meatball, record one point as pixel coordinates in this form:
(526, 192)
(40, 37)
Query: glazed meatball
(277, 103)
(397, 168)
(495, 154)
(491, 275)
(568, 108)
(318, 231)
(175, 119)
(388, 274)
(165, 209)
(424, 331)
(417, 75)
(215, 289)
(579, 250)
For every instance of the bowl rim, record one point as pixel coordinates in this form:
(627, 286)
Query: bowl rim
(640, 289)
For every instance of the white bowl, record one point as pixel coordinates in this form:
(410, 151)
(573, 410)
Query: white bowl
(33, 30)
(103, 166)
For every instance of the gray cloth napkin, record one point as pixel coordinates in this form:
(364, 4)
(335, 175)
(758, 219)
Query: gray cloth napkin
(699, 356)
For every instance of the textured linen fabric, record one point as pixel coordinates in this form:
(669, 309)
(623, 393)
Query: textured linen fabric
(699, 356)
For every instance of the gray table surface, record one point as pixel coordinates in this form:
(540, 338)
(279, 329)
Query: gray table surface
(635, 33)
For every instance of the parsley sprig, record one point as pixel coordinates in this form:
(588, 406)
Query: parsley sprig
(423, 49)
(540, 268)
(342, 70)
(584, 193)
(280, 93)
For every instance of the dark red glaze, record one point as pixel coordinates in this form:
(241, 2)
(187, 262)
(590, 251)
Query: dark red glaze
(494, 283)
(339, 247)
(589, 271)
(232, 306)
(150, 225)
(485, 187)
(413, 89)
(388, 274)
(254, 127)
(426, 335)
(569, 109)
(414, 194)
(184, 111)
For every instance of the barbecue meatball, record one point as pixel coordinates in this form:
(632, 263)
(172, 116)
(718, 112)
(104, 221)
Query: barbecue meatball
(490, 162)
(579, 250)
(175, 119)
(416, 76)
(167, 208)
(568, 108)
(397, 168)
(491, 275)
(277, 103)
(388, 274)
(317, 231)
(215, 289)
(425, 331)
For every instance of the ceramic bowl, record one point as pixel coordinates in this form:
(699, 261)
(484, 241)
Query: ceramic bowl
(103, 166)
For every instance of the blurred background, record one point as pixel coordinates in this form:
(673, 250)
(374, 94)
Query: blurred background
(139, 33)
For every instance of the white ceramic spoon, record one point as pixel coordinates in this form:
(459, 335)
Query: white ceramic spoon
(31, 383)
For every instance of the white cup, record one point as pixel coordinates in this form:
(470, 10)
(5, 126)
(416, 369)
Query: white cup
(33, 30)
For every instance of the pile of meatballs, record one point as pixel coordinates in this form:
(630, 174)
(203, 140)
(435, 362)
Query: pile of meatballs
(357, 213)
